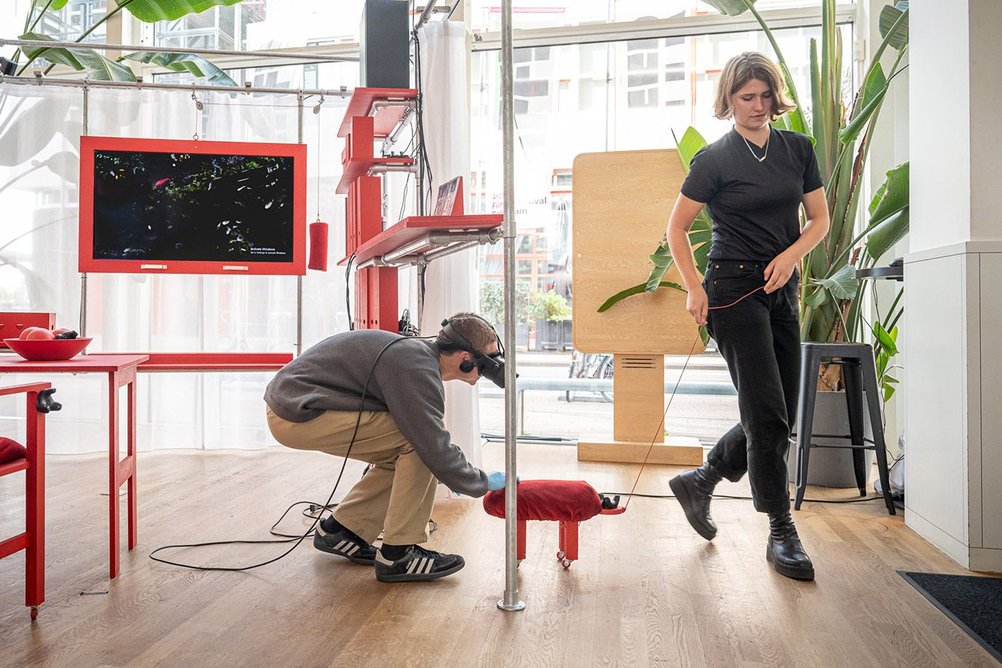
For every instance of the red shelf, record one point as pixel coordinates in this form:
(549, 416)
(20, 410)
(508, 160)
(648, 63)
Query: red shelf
(14, 466)
(215, 361)
(387, 118)
(415, 227)
(357, 168)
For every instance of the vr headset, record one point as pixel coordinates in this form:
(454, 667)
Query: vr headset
(490, 366)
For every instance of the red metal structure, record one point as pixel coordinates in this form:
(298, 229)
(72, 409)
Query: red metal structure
(121, 371)
(32, 540)
(372, 113)
(375, 114)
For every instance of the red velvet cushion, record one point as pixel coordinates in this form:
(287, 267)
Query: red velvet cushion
(11, 450)
(550, 500)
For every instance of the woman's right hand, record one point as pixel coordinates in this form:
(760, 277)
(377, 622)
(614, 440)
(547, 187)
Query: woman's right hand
(696, 304)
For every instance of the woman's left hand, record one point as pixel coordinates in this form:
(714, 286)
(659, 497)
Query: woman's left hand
(778, 272)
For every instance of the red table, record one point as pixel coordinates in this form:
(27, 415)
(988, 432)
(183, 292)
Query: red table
(121, 370)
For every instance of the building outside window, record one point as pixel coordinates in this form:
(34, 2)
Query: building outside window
(593, 97)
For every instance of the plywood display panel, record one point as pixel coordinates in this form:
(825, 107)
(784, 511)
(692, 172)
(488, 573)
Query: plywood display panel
(621, 204)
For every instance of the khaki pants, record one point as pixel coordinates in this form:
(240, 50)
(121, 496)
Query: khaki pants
(394, 497)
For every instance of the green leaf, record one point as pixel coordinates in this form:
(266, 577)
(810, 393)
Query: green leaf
(150, 11)
(886, 234)
(872, 97)
(889, 212)
(197, 66)
(842, 284)
(635, 290)
(893, 194)
(886, 339)
(889, 16)
(661, 256)
(730, 7)
(690, 144)
(56, 5)
(663, 261)
(98, 67)
(816, 298)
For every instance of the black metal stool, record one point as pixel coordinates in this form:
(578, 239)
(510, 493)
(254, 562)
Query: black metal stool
(860, 376)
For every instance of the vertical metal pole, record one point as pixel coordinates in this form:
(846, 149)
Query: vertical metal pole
(83, 276)
(299, 279)
(510, 602)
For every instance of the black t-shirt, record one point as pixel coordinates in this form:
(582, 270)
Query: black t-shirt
(755, 206)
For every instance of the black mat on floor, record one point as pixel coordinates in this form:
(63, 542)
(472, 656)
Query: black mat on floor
(973, 603)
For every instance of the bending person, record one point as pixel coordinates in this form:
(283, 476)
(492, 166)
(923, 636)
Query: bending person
(752, 181)
(378, 397)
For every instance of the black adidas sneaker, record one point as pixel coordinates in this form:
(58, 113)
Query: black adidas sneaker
(418, 564)
(344, 544)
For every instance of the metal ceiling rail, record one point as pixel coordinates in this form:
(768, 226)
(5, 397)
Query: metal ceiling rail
(683, 26)
(38, 80)
(313, 56)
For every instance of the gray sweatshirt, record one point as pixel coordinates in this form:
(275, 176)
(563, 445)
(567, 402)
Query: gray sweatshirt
(406, 382)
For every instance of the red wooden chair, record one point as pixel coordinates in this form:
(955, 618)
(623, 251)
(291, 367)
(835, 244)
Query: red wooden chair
(30, 459)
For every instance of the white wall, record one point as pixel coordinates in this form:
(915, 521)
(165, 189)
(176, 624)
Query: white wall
(954, 386)
(940, 112)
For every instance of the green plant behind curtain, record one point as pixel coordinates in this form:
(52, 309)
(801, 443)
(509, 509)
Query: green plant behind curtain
(830, 294)
(98, 67)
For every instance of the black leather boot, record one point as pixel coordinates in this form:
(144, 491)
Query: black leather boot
(694, 489)
(784, 551)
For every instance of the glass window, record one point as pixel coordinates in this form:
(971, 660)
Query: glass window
(68, 23)
(265, 24)
(613, 97)
(485, 15)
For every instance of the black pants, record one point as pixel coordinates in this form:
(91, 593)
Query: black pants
(759, 337)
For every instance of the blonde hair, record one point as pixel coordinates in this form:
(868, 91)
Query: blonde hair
(743, 68)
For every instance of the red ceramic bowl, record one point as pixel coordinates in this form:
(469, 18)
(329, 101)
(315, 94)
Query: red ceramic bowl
(47, 350)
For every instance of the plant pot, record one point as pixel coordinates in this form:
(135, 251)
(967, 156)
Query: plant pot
(521, 334)
(831, 467)
(553, 335)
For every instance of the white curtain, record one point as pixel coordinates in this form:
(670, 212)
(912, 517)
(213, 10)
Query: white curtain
(451, 281)
(40, 129)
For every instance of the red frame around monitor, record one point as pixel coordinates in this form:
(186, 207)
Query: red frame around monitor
(88, 263)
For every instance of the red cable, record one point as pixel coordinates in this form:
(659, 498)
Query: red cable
(660, 430)
(714, 308)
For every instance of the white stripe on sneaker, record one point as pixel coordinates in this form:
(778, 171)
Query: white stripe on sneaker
(412, 566)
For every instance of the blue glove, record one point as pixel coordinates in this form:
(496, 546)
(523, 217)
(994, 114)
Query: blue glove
(495, 481)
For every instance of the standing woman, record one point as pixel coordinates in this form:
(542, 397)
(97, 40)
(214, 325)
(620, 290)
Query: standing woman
(752, 181)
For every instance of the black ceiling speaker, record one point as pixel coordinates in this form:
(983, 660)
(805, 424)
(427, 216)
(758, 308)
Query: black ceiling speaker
(384, 46)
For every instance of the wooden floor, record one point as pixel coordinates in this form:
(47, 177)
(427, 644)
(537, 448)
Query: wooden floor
(646, 591)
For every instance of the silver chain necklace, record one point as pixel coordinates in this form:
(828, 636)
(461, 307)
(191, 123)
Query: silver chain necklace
(764, 155)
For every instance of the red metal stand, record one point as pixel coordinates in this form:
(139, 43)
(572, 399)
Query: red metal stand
(32, 541)
(121, 371)
(375, 113)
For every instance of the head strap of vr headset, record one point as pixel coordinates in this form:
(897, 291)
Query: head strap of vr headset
(490, 366)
